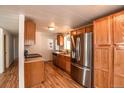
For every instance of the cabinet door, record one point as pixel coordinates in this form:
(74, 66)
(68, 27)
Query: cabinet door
(103, 67)
(74, 32)
(27, 79)
(118, 28)
(37, 72)
(89, 28)
(30, 31)
(63, 62)
(68, 64)
(119, 67)
(101, 79)
(103, 31)
(60, 40)
(80, 31)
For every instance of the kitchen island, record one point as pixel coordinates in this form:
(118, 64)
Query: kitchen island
(34, 71)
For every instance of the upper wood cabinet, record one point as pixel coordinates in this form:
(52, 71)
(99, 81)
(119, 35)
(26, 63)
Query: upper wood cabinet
(74, 32)
(103, 31)
(89, 28)
(60, 40)
(80, 31)
(119, 67)
(118, 27)
(103, 67)
(30, 32)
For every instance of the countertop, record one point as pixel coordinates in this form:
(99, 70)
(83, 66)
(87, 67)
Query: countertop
(62, 53)
(29, 60)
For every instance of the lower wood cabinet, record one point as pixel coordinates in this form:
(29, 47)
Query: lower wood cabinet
(63, 62)
(119, 67)
(34, 73)
(109, 67)
(68, 65)
(101, 78)
(103, 67)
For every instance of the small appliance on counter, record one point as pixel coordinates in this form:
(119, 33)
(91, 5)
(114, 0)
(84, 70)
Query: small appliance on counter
(25, 53)
(81, 58)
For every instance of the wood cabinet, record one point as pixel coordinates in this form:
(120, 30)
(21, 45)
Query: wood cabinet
(80, 31)
(89, 28)
(34, 73)
(62, 61)
(30, 32)
(60, 40)
(103, 53)
(109, 51)
(68, 64)
(54, 58)
(74, 32)
(103, 31)
(118, 28)
(103, 67)
(119, 66)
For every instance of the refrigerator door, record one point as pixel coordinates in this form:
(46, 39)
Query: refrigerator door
(73, 49)
(81, 75)
(76, 73)
(80, 49)
(86, 80)
(87, 61)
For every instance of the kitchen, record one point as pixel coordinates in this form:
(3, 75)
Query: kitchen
(84, 52)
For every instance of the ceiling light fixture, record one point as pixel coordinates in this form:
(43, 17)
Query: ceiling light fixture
(51, 28)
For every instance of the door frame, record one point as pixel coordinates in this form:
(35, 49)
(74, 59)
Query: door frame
(5, 53)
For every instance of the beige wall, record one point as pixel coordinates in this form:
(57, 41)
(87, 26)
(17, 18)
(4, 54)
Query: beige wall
(41, 46)
(9, 49)
(15, 44)
(1, 51)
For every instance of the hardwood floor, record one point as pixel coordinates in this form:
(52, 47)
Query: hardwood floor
(55, 78)
(9, 79)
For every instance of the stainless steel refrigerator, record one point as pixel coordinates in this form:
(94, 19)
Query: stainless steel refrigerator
(81, 59)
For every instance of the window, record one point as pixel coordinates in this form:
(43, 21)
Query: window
(67, 42)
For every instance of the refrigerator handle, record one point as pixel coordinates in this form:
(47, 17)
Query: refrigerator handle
(78, 47)
(84, 77)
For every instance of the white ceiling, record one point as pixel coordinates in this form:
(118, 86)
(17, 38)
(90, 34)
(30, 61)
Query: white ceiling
(64, 17)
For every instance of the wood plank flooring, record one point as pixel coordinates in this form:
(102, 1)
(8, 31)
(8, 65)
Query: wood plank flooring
(55, 78)
(9, 79)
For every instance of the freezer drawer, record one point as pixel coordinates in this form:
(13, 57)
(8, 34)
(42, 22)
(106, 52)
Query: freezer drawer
(81, 75)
